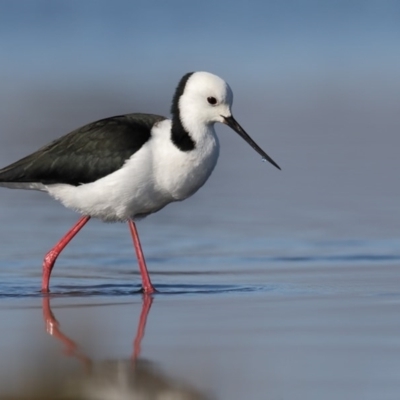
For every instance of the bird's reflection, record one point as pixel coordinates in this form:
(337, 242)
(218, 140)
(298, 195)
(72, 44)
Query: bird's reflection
(133, 378)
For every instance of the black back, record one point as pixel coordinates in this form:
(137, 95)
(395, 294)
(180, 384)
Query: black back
(86, 154)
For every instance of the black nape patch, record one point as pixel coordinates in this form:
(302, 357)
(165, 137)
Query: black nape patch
(179, 92)
(179, 136)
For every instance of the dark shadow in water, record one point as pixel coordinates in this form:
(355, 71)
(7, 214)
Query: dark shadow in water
(132, 377)
(162, 289)
(348, 258)
(126, 290)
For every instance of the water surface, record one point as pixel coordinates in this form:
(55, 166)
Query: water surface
(272, 284)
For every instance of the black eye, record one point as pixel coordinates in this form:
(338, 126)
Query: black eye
(212, 100)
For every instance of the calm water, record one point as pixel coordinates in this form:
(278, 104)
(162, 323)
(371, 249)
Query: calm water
(272, 284)
(258, 299)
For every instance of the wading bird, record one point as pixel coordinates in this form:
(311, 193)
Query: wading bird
(129, 166)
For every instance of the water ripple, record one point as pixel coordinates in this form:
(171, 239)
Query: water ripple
(9, 291)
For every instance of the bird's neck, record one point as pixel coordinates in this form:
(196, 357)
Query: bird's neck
(187, 133)
(180, 136)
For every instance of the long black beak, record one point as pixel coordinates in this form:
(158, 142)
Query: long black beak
(230, 121)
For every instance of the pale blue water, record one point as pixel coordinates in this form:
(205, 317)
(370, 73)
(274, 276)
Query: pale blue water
(247, 308)
(272, 284)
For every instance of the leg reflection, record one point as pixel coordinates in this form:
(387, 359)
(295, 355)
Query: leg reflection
(122, 378)
(53, 329)
(147, 302)
(72, 349)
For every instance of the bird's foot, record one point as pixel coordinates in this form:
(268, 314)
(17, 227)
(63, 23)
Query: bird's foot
(148, 290)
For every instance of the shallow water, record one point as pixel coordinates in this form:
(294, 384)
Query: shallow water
(270, 287)
(238, 314)
(272, 284)
(279, 291)
(297, 333)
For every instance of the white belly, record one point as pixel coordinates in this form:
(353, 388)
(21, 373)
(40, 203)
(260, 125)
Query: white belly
(156, 175)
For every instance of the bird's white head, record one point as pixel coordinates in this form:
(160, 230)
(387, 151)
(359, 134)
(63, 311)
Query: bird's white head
(202, 99)
(205, 99)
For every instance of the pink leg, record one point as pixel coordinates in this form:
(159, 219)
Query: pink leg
(148, 288)
(147, 300)
(51, 257)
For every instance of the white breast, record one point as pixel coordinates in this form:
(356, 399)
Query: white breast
(182, 173)
(156, 175)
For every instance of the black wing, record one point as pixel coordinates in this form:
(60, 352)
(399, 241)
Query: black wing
(86, 154)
